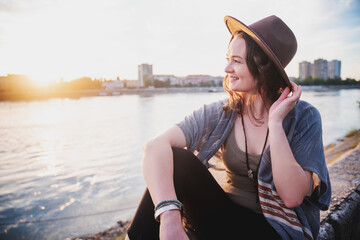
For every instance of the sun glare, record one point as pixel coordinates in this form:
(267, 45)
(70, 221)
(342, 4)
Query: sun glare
(51, 46)
(42, 79)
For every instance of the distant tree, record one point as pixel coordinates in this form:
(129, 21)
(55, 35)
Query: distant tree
(17, 83)
(83, 83)
(318, 81)
(307, 81)
(190, 85)
(329, 81)
(297, 81)
(161, 84)
(351, 81)
(148, 81)
(208, 84)
(167, 83)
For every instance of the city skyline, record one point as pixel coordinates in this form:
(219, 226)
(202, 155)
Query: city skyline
(70, 39)
(320, 68)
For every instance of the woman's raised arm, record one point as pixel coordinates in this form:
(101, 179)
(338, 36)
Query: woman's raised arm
(291, 181)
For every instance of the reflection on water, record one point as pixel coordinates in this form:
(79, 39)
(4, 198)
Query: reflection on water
(78, 162)
(339, 111)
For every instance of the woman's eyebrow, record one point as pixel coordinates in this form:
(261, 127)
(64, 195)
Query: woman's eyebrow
(233, 56)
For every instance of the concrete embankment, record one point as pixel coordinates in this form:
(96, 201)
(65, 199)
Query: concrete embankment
(342, 220)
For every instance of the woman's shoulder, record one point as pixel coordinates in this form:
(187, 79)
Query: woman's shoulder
(209, 111)
(302, 104)
(214, 113)
(218, 103)
(214, 107)
(304, 108)
(303, 114)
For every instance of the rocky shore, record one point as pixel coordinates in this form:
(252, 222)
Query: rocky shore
(343, 161)
(344, 167)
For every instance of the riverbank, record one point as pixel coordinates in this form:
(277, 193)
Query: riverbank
(343, 160)
(74, 94)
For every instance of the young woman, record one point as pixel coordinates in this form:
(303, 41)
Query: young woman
(269, 140)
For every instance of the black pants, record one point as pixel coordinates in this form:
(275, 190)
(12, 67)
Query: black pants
(209, 210)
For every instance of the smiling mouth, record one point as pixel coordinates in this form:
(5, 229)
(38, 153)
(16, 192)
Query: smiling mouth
(233, 79)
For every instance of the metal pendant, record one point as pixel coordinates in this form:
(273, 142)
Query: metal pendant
(250, 174)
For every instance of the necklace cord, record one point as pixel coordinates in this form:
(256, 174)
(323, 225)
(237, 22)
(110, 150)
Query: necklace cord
(252, 175)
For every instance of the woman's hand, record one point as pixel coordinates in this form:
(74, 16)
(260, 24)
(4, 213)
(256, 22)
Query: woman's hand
(281, 107)
(171, 226)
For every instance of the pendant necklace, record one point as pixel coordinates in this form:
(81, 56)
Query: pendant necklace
(251, 174)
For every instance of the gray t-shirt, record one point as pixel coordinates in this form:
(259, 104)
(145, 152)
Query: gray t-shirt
(207, 128)
(239, 187)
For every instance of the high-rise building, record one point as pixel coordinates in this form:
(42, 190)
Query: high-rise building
(334, 69)
(144, 71)
(305, 70)
(320, 69)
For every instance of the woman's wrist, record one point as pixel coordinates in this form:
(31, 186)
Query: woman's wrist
(170, 217)
(274, 124)
(171, 226)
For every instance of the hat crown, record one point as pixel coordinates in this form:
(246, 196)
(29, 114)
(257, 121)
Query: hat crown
(277, 36)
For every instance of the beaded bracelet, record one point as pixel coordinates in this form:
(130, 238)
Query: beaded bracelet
(168, 202)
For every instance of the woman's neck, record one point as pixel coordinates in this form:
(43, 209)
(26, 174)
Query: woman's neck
(256, 109)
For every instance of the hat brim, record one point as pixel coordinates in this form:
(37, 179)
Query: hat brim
(235, 25)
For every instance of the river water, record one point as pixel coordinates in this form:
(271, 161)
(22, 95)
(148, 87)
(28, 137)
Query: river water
(71, 167)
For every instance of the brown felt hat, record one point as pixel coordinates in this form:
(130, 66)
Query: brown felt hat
(274, 37)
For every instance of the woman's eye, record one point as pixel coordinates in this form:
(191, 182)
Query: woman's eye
(235, 61)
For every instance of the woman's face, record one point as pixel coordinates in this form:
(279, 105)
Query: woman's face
(240, 78)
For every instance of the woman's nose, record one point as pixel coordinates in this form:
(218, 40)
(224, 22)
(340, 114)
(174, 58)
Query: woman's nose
(228, 67)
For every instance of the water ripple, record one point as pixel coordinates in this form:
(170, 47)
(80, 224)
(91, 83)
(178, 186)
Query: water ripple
(78, 162)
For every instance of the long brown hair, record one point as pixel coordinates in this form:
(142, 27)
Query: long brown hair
(268, 81)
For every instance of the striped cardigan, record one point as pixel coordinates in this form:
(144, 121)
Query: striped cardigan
(207, 128)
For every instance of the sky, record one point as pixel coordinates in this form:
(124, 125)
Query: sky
(68, 39)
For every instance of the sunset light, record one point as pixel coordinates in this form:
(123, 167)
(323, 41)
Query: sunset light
(102, 102)
(50, 44)
(53, 40)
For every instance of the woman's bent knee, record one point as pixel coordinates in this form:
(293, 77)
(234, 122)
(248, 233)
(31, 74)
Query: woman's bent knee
(185, 159)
